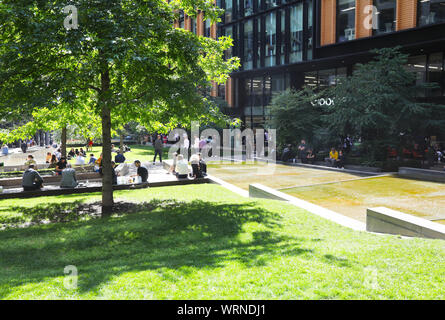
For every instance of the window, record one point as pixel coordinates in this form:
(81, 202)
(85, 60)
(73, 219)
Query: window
(309, 40)
(248, 7)
(228, 11)
(345, 20)
(193, 25)
(386, 16)
(248, 45)
(310, 79)
(229, 33)
(296, 33)
(417, 64)
(271, 39)
(283, 37)
(435, 73)
(326, 78)
(270, 4)
(431, 11)
(207, 25)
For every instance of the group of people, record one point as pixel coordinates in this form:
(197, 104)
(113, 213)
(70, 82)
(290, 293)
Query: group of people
(32, 180)
(180, 166)
(336, 158)
(304, 154)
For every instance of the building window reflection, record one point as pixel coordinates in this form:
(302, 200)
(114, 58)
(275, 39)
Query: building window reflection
(248, 7)
(431, 11)
(296, 33)
(345, 20)
(228, 11)
(248, 45)
(271, 39)
(386, 16)
(435, 73)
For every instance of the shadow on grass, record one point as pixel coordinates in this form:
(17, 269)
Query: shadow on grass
(166, 236)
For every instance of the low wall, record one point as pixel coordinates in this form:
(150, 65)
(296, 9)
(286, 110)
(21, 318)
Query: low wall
(16, 182)
(384, 220)
(422, 174)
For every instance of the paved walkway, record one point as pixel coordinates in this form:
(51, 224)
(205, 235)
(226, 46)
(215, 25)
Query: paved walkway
(16, 157)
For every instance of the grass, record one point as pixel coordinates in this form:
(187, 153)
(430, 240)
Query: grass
(204, 242)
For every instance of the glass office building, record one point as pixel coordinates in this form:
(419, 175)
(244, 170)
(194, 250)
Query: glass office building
(292, 43)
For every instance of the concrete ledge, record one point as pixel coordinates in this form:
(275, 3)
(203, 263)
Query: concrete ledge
(63, 191)
(384, 220)
(259, 191)
(319, 167)
(228, 186)
(422, 174)
(14, 182)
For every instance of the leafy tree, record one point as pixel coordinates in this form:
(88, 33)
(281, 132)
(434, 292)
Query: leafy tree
(379, 103)
(295, 115)
(125, 60)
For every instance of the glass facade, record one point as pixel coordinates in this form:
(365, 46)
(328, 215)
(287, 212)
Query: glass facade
(271, 39)
(296, 33)
(386, 16)
(431, 11)
(270, 32)
(248, 45)
(258, 95)
(345, 20)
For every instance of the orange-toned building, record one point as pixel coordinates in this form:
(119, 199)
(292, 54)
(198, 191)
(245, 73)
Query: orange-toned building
(285, 43)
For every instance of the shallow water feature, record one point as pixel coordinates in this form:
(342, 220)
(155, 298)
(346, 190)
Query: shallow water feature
(351, 198)
(420, 198)
(274, 176)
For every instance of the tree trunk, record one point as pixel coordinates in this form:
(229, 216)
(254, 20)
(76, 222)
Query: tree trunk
(107, 179)
(63, 142)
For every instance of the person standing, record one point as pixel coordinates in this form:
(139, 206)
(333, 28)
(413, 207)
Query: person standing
(302, 152)
(5, 150)
(24, 146)
(159, 145)
(31, 179)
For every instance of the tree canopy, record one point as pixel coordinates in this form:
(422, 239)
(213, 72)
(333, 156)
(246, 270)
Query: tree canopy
(125, 60)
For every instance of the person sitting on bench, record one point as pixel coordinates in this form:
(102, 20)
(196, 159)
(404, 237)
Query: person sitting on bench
(182, 167)
(31, 161)
(31, 179)
(310, 157)
(69, 179)
(61, 165)
(199, 166)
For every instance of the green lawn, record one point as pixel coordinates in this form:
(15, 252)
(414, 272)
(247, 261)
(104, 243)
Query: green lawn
(204, 242)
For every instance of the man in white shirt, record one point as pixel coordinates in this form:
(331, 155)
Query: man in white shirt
(182, 168)
(80, 160)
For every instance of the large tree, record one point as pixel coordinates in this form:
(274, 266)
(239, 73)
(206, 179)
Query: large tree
(125, 57)
(295, 115)
(379, 103)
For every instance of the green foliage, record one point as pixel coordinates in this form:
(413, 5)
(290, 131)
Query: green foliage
(378, 103)
(156, 72)
(295, 115)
